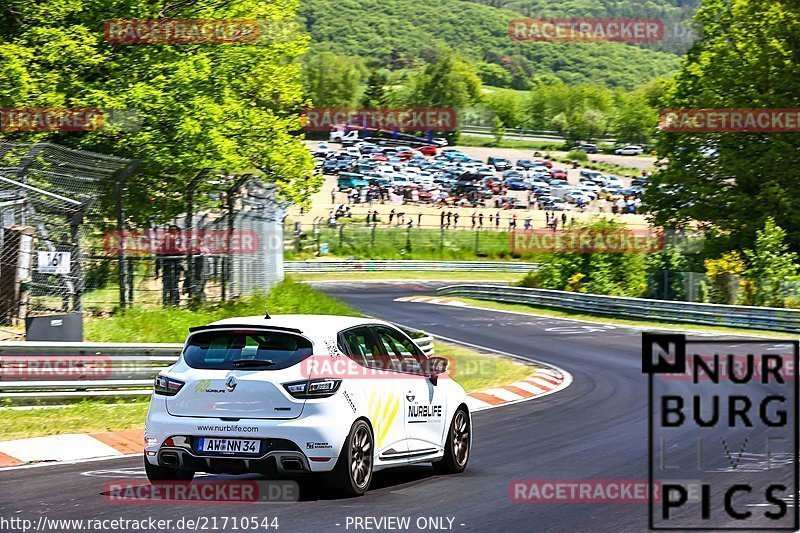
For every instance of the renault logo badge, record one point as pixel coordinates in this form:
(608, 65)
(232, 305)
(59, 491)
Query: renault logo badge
(230, 384)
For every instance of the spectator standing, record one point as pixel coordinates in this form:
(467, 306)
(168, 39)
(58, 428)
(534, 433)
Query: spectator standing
(480, 220)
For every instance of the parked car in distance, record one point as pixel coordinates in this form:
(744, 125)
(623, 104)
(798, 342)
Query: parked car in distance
(632, 149)
(555, 204)
(349, 180)
(428, 149)
(516, 184)
(499, 163)
(526, 163)
(586, 147)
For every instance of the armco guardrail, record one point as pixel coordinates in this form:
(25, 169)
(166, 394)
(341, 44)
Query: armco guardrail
(307, 267)
(737, 316)
(52, 371)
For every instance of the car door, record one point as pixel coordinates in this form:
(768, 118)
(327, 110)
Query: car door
(424, 401)
(378, 389)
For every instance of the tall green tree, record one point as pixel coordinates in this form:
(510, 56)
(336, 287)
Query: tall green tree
(228, 107)
(375, 93)
(332, 80)
(448, 82)
(634, 120)
(729, 183)
(769, 264)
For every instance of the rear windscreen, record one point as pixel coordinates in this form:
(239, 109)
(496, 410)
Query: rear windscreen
(245, 350)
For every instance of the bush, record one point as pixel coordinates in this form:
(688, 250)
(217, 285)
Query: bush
(577, 155)
(615, 274)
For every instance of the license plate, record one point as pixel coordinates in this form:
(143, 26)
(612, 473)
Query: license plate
(227, 445)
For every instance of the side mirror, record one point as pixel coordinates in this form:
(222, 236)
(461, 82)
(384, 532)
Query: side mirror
(437, 365)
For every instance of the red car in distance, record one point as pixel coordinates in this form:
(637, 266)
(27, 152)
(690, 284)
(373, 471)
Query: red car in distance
(428, 149)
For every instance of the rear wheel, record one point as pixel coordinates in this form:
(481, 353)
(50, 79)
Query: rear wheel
(456, 448)
(156, 473)
(353, 471)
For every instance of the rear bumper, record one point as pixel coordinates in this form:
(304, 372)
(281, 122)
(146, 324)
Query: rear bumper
(313, 440)
(274, 462)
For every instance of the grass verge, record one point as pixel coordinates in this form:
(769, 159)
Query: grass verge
(172, 324)
(656, 325)
(473, 369)
(406, 274)
(84, 417)
(475, 141)
(477, 370)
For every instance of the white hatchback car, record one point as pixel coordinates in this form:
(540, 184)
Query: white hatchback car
(341, 396)
(633, 149)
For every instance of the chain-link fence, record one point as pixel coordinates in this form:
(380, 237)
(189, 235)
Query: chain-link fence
(60, 253)
(48, 208)
(398, 241)
(210, 255)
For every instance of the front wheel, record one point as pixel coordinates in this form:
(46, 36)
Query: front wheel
(156, 473)
(456, 448)
(353, 471)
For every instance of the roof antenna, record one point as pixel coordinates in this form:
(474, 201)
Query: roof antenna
(266, 314)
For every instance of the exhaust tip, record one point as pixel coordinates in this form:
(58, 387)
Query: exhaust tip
(292, 465)
(170, 459)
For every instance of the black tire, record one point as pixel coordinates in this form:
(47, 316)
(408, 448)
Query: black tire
(352, 474)
(156, 473)
(457, 446)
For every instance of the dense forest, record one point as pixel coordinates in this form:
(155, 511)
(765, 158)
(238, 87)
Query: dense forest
(398, 34)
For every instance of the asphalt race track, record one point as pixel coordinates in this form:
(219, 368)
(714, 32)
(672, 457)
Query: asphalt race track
(595, 429)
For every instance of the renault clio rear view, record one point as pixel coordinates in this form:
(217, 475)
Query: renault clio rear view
(267, 395)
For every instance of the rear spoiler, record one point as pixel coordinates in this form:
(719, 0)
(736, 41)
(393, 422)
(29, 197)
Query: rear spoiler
(243, 326)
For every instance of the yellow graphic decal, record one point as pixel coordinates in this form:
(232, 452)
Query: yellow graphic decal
(383, 409)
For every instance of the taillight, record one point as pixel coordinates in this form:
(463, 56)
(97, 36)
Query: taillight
(313, 388)
(167, 386)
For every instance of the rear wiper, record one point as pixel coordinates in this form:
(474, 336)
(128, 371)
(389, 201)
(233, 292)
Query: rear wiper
(252, 362)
